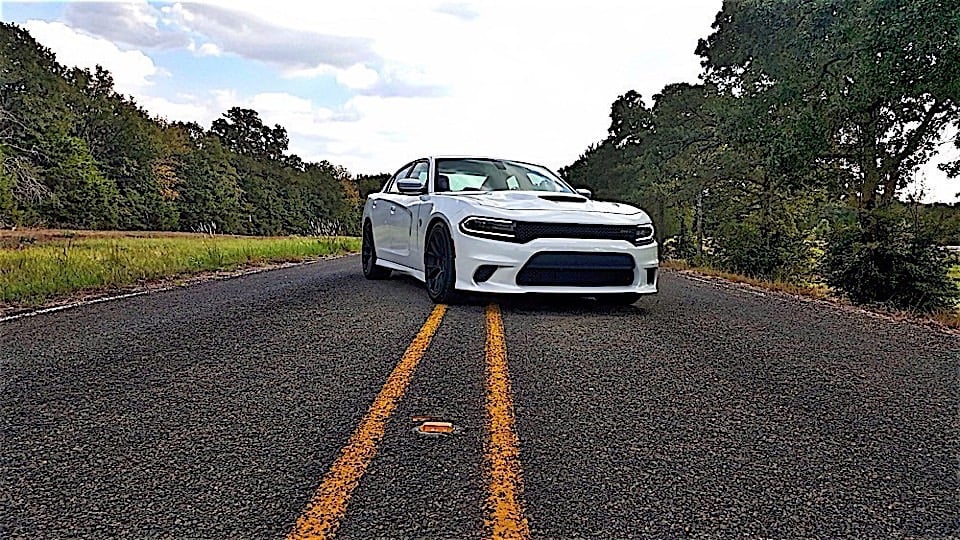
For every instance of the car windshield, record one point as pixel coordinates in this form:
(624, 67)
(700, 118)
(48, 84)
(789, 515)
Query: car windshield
(495, 175)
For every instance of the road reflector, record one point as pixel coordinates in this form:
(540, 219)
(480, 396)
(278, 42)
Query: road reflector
(436, 427)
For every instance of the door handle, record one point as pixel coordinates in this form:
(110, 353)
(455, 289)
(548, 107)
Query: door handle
(373, 204)
(393, 208)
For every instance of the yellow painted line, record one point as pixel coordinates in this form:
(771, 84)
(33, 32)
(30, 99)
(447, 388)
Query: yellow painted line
(505, 499)
(323, 514)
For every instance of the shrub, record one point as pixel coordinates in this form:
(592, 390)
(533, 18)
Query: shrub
(781, 253)
(885, 258)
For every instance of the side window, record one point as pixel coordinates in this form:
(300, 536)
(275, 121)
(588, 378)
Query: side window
(402, 173)
(420, 171)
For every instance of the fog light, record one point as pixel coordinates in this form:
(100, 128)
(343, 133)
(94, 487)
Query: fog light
(484, 273)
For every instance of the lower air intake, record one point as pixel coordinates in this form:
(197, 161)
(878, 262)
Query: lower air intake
(573, 269)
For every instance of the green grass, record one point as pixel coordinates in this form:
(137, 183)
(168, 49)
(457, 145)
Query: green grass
(32, 274)
(955, 273)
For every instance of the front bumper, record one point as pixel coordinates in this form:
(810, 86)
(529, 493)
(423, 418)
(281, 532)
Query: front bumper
(473, 253)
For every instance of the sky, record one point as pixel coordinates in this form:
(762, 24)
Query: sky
(372, 84)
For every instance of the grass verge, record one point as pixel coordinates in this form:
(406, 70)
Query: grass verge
(949, 319)
(35, 272)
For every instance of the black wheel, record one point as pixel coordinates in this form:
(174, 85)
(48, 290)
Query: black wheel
(368, 255)
(618, 299)
(440, 273)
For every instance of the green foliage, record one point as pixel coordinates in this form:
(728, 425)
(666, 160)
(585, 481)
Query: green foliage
(81, 196)
(781, 254)
(864, 85)
(370, 183)
(8, 206)
(242, 132)
(88, 157)
(127, 147)
(944, 222)
(890, 260)
(209, 189)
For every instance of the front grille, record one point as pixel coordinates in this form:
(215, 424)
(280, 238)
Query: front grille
(529, 230)
(574, 269)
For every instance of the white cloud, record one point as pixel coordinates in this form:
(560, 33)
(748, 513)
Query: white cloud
(930, 183)
(515, 78)
(134, 22)
(518, 80)
(185, 109)
(209, 49)
(132, 70)
(357, 76)
(254, 37)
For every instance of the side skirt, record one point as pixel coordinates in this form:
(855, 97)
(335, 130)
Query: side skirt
(418, 274)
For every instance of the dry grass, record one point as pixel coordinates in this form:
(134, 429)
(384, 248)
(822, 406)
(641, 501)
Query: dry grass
(796, 289)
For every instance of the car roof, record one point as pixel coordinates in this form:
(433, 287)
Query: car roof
(493, 158)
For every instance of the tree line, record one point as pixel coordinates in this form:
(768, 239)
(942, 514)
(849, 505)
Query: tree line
(74, 153)
(789, 158)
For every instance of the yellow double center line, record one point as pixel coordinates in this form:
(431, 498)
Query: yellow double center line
(322, 516)
(505, 500)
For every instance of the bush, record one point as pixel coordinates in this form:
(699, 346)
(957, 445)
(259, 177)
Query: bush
(883, 258)
(781, 254)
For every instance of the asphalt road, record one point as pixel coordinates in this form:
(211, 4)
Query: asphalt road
(222, 410)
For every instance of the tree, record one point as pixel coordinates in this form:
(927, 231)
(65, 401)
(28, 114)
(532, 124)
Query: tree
(629, 119)
(128, 148)
(81, 196)
(880, 76)
(862, 90)
(241, 131)
(369, 183)
(209, 191)
(8, 206)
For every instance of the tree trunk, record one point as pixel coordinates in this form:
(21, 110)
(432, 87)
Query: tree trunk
(871, 170)
(698, 223)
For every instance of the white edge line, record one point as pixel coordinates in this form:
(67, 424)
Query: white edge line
(77, 304)
(725, 286)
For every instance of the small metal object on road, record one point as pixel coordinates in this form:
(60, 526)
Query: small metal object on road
(436, 427)
(423, 418)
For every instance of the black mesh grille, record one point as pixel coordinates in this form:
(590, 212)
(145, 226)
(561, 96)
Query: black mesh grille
(528, 230)
(562, 268)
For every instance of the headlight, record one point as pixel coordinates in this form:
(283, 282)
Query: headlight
(644, 234)
(497, 229)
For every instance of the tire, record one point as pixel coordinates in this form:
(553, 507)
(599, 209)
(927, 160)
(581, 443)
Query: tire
(618, 299)
(439, 268)
(368, 256)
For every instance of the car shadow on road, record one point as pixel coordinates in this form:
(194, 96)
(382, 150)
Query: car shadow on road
(533, 303)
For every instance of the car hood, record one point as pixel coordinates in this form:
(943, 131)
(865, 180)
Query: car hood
(553, 202)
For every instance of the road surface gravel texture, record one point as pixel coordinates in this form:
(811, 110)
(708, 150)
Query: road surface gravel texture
(216, 411)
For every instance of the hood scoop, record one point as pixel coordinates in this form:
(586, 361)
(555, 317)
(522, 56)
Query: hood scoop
(564, 198)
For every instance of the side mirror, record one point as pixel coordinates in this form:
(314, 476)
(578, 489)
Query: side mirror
(410, 186)
(585, 192)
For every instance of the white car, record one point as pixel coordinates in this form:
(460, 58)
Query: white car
(498, 226)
